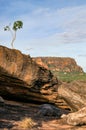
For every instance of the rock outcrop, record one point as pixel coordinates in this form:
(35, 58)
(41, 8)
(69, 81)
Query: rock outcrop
(58, 64)
(74, 94)
(40, 62)
(76, 118)
(22, 79)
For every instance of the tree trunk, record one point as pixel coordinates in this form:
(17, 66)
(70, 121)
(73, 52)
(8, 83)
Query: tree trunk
(13, 39)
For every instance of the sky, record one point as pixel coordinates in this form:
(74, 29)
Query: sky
(50, 27)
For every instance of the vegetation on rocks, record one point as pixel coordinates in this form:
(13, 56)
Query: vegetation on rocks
(26, 123)
(65, 69)
(16, 25)
(69, 77)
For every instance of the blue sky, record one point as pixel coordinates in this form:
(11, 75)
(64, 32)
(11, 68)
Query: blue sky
(50, 27)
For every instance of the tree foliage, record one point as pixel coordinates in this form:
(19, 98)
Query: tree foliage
(16, 25)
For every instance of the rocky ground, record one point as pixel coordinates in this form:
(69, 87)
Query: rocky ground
(12, 115)
(22, 79)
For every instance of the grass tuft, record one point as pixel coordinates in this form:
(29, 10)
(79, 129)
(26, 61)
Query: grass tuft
(26, 123)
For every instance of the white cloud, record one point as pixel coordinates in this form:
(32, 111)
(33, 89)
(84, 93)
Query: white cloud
(82, 55)
(67, 24)
(47, 31)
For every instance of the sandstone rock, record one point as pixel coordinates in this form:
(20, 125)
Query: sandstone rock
(61, 64)
(40, 62)
(76, 118)
(22, 79)
(74, 94)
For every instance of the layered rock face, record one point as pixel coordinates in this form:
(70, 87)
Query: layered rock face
(22, 78)
(74, 94)
(59, 64)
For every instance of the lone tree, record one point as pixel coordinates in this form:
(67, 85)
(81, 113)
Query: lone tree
(16, 25)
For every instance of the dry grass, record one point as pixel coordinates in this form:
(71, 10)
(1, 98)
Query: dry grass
(25, 124)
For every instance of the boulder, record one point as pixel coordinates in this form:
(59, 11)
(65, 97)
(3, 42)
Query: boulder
(74, 94)
(76, 118)
(22, 79)
(50, 111)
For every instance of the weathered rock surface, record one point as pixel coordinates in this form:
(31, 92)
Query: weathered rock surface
(22, 116)
(59, 64)
(50, 111)
(76, 118)
(40, 62)
(21, 78)
(74, 94)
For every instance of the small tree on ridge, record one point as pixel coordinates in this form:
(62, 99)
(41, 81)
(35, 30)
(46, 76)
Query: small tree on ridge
(16, 25)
